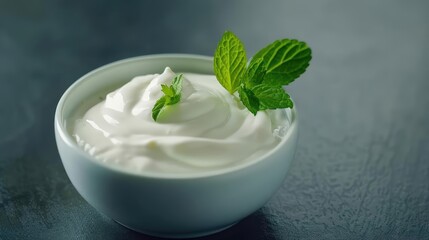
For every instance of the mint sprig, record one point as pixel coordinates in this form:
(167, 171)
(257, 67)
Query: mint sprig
(172, 95)
(260, 84)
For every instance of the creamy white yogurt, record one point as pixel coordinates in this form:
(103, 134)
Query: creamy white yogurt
(208, 129)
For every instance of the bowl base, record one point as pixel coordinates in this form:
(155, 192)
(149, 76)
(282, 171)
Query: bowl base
(178, 235)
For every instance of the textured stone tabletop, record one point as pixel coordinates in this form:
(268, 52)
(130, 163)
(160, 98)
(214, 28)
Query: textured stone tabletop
(361, 169)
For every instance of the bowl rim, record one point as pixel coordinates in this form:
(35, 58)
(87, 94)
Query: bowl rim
(66, 137)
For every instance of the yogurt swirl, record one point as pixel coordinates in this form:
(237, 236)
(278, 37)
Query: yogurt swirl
(208, 129)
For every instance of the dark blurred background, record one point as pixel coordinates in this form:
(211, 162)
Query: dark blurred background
(361, 169)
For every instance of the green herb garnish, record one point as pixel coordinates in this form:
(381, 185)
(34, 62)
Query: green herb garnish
(172, 95)
(260, 83)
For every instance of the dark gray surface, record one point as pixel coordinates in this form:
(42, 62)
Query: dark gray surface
(362, 165)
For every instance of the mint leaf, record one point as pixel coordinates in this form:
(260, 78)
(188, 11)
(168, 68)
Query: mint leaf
(172, 95)
(176, 84)
(271, 97)
(249, 100)
(167, 90)
(230, 62)
(159, 105)
(255, 72)
(285, 61)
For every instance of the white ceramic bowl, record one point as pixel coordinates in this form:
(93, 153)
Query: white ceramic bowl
(163, 206)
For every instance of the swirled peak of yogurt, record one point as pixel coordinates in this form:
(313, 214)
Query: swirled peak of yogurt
(209, 129)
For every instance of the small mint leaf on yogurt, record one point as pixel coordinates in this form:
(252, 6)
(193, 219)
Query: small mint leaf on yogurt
(159, 105)
(172, 95)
